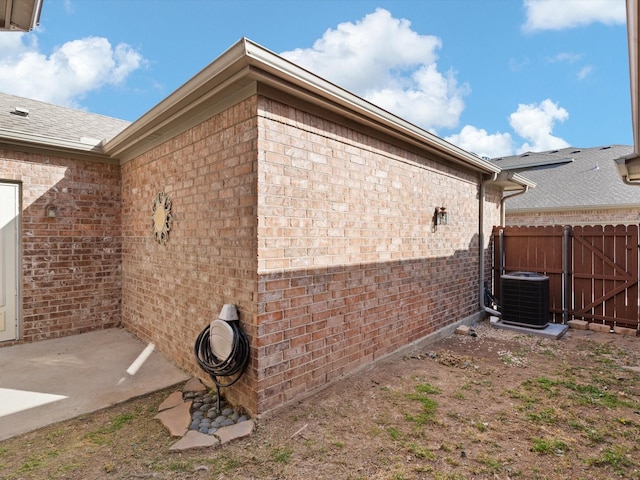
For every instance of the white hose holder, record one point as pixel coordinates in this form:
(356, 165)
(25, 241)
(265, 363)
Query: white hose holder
(221, 335)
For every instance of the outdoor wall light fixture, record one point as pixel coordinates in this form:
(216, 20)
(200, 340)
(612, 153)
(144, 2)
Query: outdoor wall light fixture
(440, 217)
(51, 211)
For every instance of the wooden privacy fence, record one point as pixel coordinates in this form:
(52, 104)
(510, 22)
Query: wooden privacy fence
(592, 270)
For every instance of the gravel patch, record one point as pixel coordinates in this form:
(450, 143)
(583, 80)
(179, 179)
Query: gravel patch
(205, 417)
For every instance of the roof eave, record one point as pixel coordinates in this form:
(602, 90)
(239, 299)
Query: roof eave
(571, 208)
(249, 61)
(512, 181)
(20, 15)
(633, 39)
(629, 166)
(375, 116)
(90, 148)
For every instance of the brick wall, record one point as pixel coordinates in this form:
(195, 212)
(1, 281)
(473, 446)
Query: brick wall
(609, 216)
(350, 266)
(321, 235)
(71, 271)
(171, 292)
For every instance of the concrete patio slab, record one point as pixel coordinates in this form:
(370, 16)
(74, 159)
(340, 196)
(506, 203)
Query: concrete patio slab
(553, 330)
(46, 382)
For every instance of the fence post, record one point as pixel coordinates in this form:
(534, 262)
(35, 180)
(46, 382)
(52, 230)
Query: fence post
(566, 273)
(501, 261)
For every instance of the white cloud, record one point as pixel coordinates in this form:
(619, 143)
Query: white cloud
(13, 44)
(478, 141)
(535, 122)
(517, 65)
(568, 57)
(585, 72)
(383, 60)
(564, 14)
(435, 100)
(69, 73)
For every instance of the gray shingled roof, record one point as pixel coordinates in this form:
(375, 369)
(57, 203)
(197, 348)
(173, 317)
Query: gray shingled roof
(590, 180)
(52, 122)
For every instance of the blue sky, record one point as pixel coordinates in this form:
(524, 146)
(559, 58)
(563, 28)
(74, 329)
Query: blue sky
(496, 77)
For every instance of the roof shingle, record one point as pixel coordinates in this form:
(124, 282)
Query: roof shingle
(47, 121)
(591, 179)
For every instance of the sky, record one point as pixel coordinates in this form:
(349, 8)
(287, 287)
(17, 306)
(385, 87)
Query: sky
(495, 77)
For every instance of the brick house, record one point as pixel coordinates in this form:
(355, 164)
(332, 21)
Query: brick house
(307, 207)
(65, 271)
(575, 186)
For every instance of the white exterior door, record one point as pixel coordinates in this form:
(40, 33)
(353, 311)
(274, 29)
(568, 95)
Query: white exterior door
(9, 214)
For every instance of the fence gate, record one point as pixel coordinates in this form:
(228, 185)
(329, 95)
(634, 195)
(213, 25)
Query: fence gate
(593, 271)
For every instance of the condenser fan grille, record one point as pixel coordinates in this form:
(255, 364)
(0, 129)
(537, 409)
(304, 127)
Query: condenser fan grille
(525, 299)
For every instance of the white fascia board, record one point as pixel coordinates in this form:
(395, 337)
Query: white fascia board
(630, 162)
(521, 180)
(231, 65)
(191, 94)
(21, 15)
(568, 208)
(275, 64)
(89, 146)
(512, 181)
(633, 14)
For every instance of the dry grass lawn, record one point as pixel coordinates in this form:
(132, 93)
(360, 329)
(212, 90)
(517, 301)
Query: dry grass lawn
(500, 405)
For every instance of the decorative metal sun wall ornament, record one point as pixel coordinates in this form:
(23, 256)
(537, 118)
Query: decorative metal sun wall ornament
(161, 218)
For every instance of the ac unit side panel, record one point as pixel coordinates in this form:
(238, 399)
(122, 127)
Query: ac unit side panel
(525, 300)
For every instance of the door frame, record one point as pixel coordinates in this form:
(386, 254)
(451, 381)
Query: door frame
(18, 262)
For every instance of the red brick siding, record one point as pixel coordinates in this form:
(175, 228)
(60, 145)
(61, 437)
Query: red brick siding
(321, 235)
(71, 275)
(350, 266)
(171, 292)
(609, 216)
(491, 219)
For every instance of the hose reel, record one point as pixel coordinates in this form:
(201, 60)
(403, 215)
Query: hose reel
(222, 349)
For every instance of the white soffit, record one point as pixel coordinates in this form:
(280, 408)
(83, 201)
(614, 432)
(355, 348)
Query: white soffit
(629, 166)
(19, 15)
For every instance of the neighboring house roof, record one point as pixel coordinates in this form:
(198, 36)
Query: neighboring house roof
(33, 123)
(571, 178)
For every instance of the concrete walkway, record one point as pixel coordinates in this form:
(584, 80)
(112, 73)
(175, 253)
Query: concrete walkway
(53, 380)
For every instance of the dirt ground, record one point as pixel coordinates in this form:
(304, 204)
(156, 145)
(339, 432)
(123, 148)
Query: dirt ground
(500, 405)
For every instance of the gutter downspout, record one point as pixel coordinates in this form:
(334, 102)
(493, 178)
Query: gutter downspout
(483, 181)
(483, 307)
(504, 199)
(630, 182)
(623, 169)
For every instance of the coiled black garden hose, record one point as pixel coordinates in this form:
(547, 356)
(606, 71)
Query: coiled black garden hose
(234, 364)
